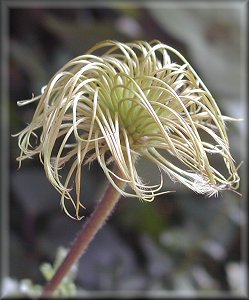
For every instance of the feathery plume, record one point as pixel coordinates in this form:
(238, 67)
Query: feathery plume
(128, 102)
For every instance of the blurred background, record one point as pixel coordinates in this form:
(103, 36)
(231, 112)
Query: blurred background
(182, 243)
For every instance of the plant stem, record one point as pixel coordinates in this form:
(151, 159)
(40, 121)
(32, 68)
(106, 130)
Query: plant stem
(86, 234)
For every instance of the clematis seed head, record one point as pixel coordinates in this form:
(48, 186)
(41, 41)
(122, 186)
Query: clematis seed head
(120, 102)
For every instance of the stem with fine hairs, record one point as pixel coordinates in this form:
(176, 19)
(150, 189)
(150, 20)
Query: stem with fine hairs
(86, 234)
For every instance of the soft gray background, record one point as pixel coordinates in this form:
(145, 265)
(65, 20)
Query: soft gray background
(181, 243)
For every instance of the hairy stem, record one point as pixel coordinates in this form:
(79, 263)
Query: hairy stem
(85, 236)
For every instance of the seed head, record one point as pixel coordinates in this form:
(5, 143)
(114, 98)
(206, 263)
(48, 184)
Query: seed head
(121, 102)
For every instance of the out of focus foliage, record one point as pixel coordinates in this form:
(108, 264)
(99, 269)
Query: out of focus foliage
(181, 243)
(25, 287)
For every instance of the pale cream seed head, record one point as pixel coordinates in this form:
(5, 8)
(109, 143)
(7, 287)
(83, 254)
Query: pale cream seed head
(129, 101)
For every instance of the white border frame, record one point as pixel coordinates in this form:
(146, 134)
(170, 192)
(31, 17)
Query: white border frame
(5, 176)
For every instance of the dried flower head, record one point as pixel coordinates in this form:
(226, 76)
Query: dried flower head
(129, 101)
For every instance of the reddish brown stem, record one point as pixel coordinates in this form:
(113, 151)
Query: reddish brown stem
(85, 236)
